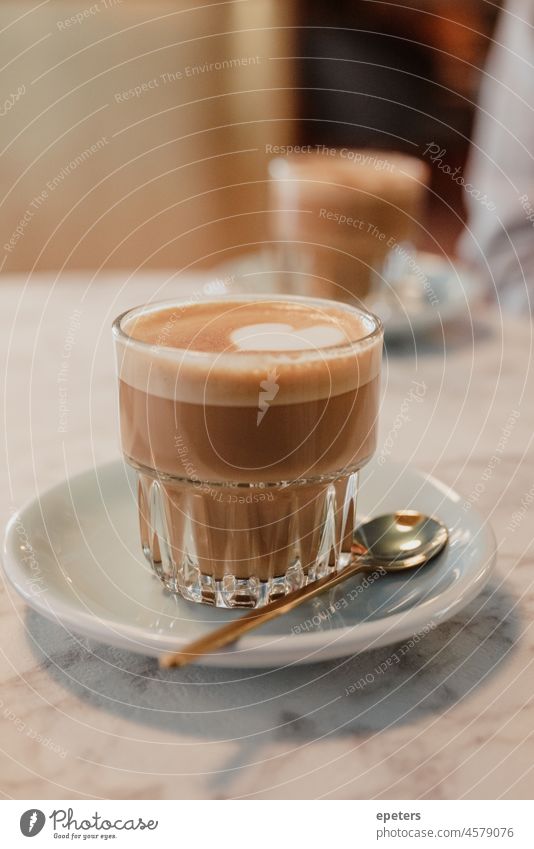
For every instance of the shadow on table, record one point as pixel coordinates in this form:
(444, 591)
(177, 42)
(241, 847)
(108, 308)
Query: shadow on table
(358, 696)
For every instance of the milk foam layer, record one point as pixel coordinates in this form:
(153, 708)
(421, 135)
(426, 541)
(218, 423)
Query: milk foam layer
(220, 352)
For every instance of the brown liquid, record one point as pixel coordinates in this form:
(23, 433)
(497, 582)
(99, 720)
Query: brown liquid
(214, 443)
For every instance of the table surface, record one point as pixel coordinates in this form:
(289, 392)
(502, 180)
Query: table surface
(81, 721)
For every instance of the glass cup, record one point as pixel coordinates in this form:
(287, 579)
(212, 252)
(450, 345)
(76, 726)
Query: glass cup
(336, 215)
(248, 461)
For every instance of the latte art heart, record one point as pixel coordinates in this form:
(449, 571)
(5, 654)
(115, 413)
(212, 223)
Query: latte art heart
(284, 337)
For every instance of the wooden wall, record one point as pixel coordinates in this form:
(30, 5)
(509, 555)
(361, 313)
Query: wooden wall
(169, 175)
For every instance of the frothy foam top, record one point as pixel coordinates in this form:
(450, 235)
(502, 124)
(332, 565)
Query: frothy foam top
(219, 352)
(234, 326)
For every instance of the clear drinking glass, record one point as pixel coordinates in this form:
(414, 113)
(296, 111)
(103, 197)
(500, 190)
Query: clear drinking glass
(248, 461)
(338, 214)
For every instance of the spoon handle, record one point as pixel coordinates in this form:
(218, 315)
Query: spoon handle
(221, 637)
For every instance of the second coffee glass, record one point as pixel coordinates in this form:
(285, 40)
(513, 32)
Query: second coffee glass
(336, 218)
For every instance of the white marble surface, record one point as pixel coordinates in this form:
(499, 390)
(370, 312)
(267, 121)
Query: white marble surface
(80, 721)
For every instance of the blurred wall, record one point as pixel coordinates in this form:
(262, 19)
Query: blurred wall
(134, 132)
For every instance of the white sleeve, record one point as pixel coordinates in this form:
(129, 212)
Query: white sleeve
(500, 240)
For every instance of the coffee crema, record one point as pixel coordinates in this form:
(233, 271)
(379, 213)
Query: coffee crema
(218, 352)
(229, 327)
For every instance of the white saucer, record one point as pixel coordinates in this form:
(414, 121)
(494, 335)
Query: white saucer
(410, 309)
(74, 555)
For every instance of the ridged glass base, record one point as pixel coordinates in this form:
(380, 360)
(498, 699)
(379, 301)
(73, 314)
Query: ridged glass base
(244, 545)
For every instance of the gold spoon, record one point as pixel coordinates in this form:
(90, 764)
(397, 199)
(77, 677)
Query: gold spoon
(390, 543)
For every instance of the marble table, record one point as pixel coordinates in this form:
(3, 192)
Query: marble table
(89, 721)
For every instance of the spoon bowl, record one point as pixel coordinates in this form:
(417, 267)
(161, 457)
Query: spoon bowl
(401, 540)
